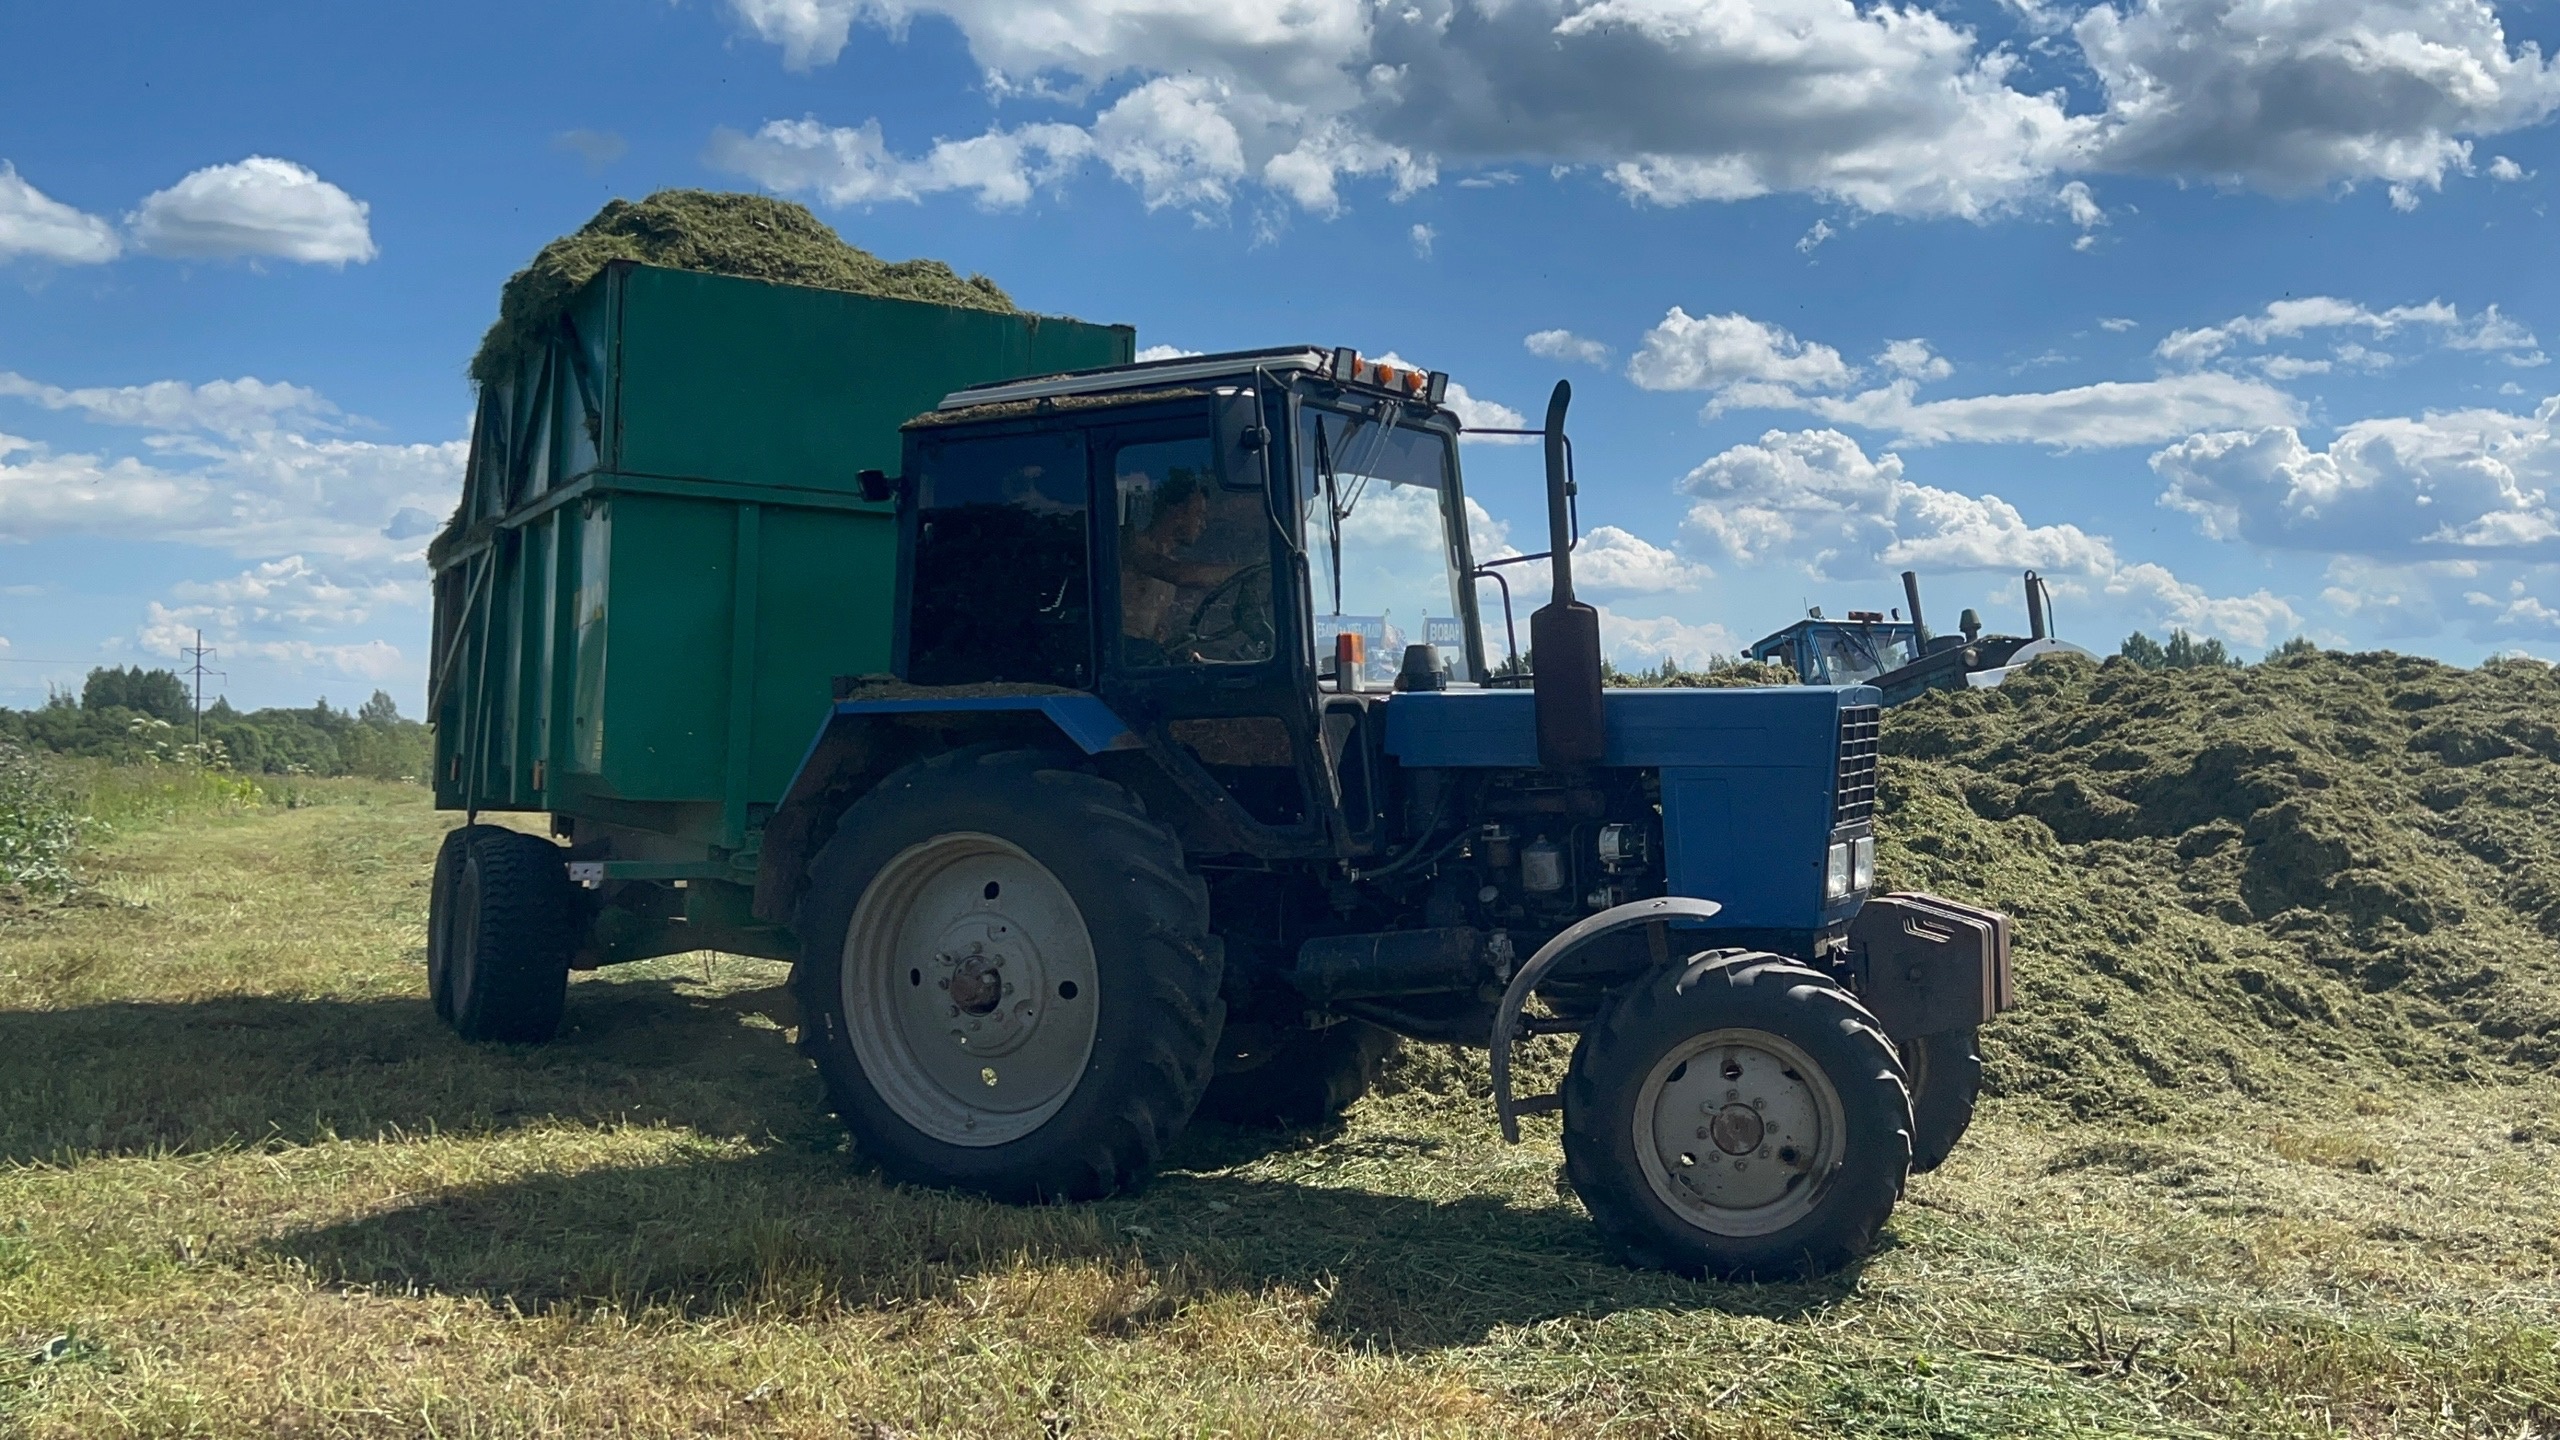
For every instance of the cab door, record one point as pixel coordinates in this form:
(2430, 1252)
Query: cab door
(1195, 631)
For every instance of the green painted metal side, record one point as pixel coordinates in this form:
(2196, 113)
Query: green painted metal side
(662, 558)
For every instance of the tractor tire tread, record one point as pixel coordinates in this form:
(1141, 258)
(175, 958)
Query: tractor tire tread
(1946, 1084)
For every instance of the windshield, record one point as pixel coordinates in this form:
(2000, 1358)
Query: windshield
(1854, 656)
(1379, 546)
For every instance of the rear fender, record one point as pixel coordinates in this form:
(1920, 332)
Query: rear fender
(862, 739)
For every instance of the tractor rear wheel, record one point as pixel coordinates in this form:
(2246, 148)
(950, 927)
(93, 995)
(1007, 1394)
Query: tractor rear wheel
(1742, 1117)
(1007, 979)
(1306, 1078)
(502, 922)
(1946, 1080)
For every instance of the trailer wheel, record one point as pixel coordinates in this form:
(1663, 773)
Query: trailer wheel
(1946, 1080)
(1743, 1117)
(447, 875)
(498, 954)
(1309, 1077)
(1007, 979)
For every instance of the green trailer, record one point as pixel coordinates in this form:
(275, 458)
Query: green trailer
(663, 556)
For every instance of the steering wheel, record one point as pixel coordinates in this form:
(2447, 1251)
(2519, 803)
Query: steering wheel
(1249, 623)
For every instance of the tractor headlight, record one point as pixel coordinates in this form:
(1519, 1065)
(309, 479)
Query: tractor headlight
(1835, 872)
(1862, 863)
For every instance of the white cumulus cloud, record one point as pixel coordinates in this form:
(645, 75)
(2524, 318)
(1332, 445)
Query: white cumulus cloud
(1610, 560)
(810, 32)
(853, 165)
(1737, 358)
(258, 208)
(1816, 501)
(1891, 109)
(231, 465)
(1642, 642)
(34, 225)
(1565, 345)
(2095, 416)
(2292, 318)
(2483, 483)
(221, 407)
(2291, 95)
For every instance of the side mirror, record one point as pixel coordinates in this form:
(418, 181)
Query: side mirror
(876, 486)
(1244, 443)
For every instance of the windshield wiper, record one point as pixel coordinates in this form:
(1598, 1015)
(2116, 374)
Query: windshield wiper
(1334, 513)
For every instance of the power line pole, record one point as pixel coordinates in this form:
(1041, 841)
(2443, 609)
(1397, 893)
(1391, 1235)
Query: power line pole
(197, 653)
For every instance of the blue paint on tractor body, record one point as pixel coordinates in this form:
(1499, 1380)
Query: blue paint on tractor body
(1083, 719)
(1750, 776)
(1750, 780)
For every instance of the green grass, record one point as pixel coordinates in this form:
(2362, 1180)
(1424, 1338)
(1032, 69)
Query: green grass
(248, 1186)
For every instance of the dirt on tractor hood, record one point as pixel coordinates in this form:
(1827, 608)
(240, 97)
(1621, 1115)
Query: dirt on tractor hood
(719, 232)
(2321, 869)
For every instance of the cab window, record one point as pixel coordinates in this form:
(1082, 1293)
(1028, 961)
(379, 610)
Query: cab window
(1195, 565)
(999, 590)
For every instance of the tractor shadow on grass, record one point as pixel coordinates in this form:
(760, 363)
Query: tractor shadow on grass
(798, 1223)
(795, 1231)
(162, 1077)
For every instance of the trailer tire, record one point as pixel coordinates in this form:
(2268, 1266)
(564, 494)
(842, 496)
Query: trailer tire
(498, 951)
(1809, 1088)
(1090, 979)
(1946, 1081)
(447, 874)
(1310, 1077)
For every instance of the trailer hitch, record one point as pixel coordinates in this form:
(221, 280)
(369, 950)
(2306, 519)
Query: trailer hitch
(1508, 1027)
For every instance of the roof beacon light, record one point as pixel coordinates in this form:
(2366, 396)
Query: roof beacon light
(1350, 369)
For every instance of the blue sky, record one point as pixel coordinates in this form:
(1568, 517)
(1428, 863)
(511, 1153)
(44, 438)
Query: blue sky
(2229, 317)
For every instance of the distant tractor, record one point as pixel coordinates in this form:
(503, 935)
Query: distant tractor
(1901, 658)
(1018, 695)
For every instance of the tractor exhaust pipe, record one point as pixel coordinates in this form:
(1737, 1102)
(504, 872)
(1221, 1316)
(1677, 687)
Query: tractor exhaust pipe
(1564, 635)
(2036, 602)
(1919, 627)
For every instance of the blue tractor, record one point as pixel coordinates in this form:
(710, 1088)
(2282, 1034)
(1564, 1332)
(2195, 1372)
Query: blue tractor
(1900, 658)
(1121, 840)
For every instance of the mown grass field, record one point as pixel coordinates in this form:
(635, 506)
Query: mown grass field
(248, 1186)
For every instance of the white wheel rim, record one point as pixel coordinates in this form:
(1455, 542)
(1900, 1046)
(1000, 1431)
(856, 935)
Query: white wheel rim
(1739, 1131)
(970, 990)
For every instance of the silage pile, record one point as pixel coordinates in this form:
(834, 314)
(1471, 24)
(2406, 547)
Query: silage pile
(722, 233)
(2325, 869)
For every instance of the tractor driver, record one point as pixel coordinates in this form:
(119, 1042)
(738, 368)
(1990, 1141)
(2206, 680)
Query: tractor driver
(1182, 599)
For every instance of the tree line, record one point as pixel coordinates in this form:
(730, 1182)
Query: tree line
(128, 714)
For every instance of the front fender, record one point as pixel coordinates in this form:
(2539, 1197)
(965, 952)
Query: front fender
(1661, 914)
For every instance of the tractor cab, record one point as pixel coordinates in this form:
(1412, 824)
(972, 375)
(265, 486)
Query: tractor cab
(1841, 652)
(1236, 553)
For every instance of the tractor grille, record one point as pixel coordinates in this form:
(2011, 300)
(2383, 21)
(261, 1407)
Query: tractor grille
(1856, 800)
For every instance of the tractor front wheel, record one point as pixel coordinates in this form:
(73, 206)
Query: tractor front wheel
(1742, 1117)
(1007, 979)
